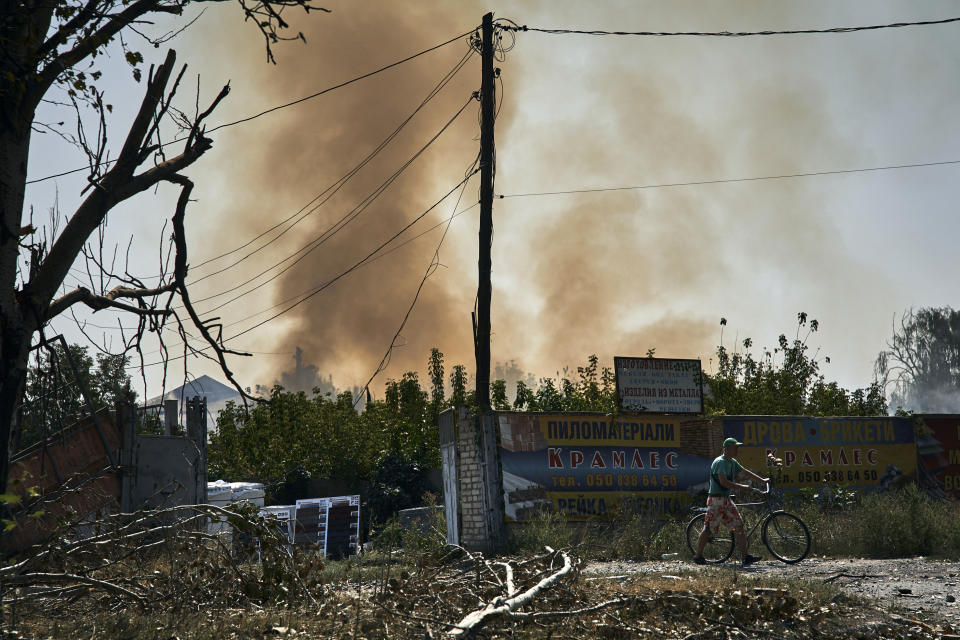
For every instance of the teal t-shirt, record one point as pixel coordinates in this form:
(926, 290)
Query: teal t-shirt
(721, 466)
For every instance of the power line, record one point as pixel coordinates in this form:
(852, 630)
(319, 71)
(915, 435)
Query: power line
(295, 297)
(600, 190)
(344, 84)
(727, 180)
(331, 190)
(512, 26)
(431, 268)
(335, 228)
(357, 265)
(366, 259)
(288, 104)
(371, 261)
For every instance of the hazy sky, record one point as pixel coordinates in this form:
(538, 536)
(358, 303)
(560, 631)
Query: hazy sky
(611, 273)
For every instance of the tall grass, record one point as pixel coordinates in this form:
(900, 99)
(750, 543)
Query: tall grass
(901, 523)
(634, 538)
(894, 524)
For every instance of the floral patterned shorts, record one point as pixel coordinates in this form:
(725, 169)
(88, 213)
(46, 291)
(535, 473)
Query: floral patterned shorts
(722, 511)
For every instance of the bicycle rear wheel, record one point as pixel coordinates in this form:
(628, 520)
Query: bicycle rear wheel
(787, 538)
(719, 546)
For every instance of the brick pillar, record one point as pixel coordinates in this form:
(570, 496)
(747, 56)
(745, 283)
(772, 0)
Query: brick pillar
(480, 484)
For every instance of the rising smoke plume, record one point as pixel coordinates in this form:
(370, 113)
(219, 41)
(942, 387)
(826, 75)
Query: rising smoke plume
(613, 273)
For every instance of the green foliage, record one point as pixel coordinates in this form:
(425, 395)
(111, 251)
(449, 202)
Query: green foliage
(546, 529)
(498, 395)
(458, 388)
(53, 398)
(435, 371)
(417, 538)
(593, 390)
(324, 436)
(392, 443)
(407, 418)
(398, 484)
(786, 381)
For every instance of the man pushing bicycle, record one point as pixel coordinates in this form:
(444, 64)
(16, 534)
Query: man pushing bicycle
(721, 510)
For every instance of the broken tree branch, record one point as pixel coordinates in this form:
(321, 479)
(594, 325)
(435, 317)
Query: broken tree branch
(502, 606)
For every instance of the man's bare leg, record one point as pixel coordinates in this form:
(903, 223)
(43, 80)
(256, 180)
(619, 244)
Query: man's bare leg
(741, 541)
(702, 541)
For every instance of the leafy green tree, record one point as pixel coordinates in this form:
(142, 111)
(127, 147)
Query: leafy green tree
(786, 381)
(111, 383)
(289, 431)
(56, 383)
(593, 389)
(459, 396)
(435, 371)
(290, 434)
(498, 395)
(921, 365)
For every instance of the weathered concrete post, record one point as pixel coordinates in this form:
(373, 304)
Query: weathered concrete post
(480, 483)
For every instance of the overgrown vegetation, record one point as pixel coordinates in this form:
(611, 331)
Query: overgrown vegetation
(892, 524)
(56, 382)
(785, 381)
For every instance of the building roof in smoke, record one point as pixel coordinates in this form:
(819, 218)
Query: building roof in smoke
(204, 386)
(216, 393)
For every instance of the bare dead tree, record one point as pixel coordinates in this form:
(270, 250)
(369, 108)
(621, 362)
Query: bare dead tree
(50, 45)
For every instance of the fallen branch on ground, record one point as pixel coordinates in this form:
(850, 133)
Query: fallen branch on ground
(500, 605)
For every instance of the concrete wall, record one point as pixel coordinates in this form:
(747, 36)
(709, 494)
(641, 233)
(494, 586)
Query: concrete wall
(101, 464)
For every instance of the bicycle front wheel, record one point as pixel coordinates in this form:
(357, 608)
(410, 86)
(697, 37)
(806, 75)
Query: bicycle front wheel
(787, 538)
(719, 545)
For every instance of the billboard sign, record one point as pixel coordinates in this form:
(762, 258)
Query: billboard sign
(872, 453)
(592, 465)
(658, 385)
(938, 447)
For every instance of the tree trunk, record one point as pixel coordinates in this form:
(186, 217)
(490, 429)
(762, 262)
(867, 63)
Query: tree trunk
(21, 33)
(15, 328)
(13, 373)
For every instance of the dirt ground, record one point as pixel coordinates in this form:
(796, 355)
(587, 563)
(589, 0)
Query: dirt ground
(912, 584)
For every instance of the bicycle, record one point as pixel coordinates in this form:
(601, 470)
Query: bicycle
(783, 534)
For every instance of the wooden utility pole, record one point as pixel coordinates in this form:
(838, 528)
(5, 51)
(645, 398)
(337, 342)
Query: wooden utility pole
(482, 336)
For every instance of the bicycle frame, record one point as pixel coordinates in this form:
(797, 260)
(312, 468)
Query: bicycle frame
(784, 534)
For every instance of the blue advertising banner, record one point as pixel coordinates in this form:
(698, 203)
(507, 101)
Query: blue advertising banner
(594, 466)
(873, 453)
